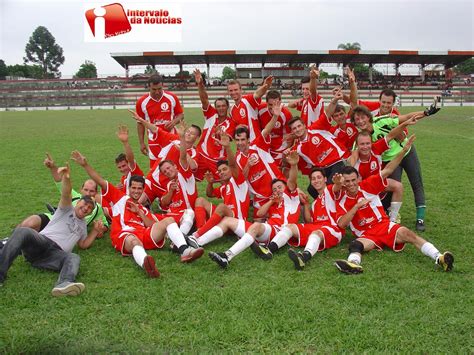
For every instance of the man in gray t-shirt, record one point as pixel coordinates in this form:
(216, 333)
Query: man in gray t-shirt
(52, 249)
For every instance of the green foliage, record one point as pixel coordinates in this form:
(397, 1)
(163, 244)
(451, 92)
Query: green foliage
(26, 71)
(42, 49)
(349, 46)
(466, 67)
(362, 71)
(150, 70)
(3, 70)
(402, 303)
(87, 70)
(228, 73)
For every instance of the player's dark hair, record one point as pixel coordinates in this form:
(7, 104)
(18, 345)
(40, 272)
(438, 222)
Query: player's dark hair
(242, 129)
(222, 99)
(388, 92)
(137, 178)
(293, 120)
(197, 128)
(233, 82)
(363, 133)
(361, 109)
(274, 181)
(155, 79)
(222, 162)
(305, 80)
(120, 157)
(89, 200)
(272, 95)
(165, 161)
(347, 170)
(339, 108)
(323, 173)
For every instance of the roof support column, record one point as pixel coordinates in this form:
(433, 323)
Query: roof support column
(422, 72)
(126, 70)
(371, 72)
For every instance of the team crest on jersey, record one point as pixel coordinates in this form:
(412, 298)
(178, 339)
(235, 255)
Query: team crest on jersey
(315, 140)
(242, 112)
(227, 189)
(277, 124)
(253, 159)
(350, 131)
(373, 165)
(165, 106)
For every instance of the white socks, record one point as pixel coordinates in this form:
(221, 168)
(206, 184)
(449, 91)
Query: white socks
(174, 233)
(282, 237)
(394, 209)
(211, 235)
(242, 244)
(187, 221)
(430, 250)
(139, 254)
(354, 258)
(312, 245)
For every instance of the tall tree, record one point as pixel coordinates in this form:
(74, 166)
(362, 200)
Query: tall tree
(42, 49)
(466, 67)
(87, 70)
(348, 46)
(3, 70)
(228, 73)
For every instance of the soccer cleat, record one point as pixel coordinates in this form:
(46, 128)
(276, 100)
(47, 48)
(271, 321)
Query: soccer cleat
(68, 289)
(150, 267)
(446, 261)
(297, 259)
(174, 248)
(420, 225)
(51, 208)
(347, 267)
(261, 251)
(220, 259)
(191, 254)
(192, 241)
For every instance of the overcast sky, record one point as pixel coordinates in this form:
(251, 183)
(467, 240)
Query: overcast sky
(250, 25)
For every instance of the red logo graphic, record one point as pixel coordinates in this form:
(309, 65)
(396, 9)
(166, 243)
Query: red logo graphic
(108, 21)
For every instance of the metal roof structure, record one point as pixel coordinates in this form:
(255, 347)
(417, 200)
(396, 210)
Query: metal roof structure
(291, 57)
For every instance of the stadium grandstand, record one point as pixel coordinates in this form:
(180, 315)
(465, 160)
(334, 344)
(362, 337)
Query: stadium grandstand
(287, 66)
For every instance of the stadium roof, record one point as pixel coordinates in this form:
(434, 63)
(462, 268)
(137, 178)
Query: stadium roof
(448, 58)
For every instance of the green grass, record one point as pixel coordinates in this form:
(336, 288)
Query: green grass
(402, 302)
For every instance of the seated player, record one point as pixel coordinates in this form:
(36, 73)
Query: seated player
(134, 228)
(361, 209)
(283, 208)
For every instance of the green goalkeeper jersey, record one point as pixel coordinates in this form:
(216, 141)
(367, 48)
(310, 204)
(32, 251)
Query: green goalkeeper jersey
(382, 125)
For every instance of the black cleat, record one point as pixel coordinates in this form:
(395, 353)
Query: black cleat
(347, 267)
(297, 259)
(446, 261)
(261, 251)
(192, 241)
(420, 225)
(219, 258)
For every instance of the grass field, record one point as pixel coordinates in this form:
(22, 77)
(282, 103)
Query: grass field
(402, 302)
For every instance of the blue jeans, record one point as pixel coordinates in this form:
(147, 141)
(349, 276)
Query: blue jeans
(41, 252)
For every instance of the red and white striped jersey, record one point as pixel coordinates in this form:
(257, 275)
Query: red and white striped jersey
(374, 108)
(323, 209)
(246, 113)
(372, 213)
(159, 112)
(123, 220)
(185, 196)
(311, 110)
(125, 179)
(286, 211)
(236, 196)
(277, 144)
(373, 165)
(208, 146)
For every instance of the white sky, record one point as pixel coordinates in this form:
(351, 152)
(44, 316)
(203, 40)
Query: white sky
(249, 25)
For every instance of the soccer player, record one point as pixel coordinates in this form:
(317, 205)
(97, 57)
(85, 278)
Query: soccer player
(361, 209)
(126, 163)
(379, 127)
(245, 108)
(283, 208)
(89, 188)
(311, 105)
(52, 248)
(159, 107)
(216, 120)
(234, 191)
(135, 228)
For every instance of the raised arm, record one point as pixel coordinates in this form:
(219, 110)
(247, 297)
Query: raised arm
(144, 124)
(399, 130)
(122, 135)
(97, 230)
(392, 165)
(262, 90)
(66, 188)
(82, 161)
(313, 82)
(141, 139)
(202, 89)
(294, 104)
(225, 142)
(49, 163)
(271, 124)
(292, 158)
(353, 87)
(183, 155)
(338, 95)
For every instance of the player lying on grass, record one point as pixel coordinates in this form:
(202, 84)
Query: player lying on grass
(361, 209)
(134, 228)
(52, 248)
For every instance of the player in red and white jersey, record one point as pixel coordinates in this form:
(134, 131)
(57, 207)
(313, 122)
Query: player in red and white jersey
(311, 105)
(134, 228)
(360, 208)
(265, 113)
(216, 121)
(162, 108)
(283, 208)
(385, 105)
(234, 191)
(256, 162)
(245, 108)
